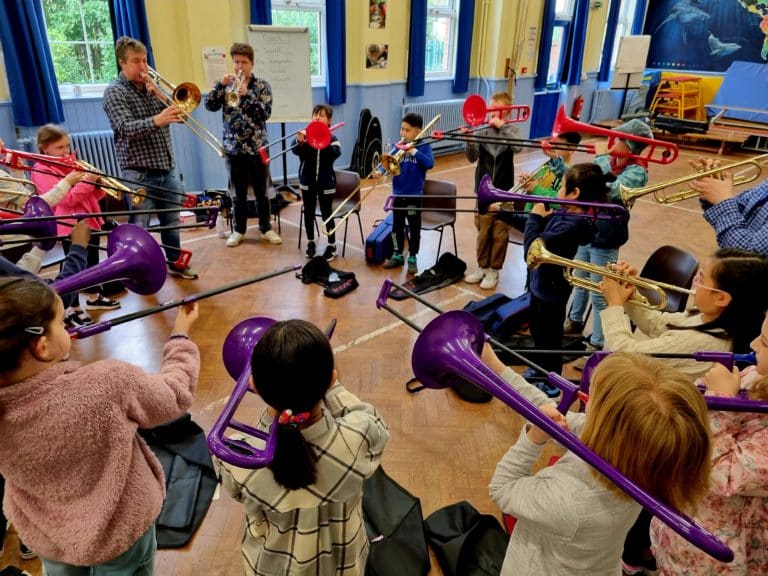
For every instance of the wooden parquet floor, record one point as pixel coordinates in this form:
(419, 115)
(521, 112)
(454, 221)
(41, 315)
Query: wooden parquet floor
(442, 449)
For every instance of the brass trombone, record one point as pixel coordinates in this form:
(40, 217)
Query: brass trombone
(19, 190)
(391, 165)
(113, 188)
(538, 254)
(629, 195)
(186, 97)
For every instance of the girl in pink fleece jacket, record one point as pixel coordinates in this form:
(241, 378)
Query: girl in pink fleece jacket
(82, 489)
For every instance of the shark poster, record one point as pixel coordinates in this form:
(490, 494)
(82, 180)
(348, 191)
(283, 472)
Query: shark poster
(706, 35)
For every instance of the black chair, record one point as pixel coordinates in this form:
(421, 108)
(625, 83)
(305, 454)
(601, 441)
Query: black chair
(674, 266)
(441, 211)
(348, 194)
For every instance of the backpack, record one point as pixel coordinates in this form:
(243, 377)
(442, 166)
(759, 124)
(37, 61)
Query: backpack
(336, 282)
(448, 270)
(500, 314)
(465, 542)
(395, 529)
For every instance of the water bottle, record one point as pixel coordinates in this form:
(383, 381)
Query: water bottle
(221, 226)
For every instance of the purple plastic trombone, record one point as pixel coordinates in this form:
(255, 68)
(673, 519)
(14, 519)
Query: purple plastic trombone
(449, 348)
(737, 404)
(236, 353)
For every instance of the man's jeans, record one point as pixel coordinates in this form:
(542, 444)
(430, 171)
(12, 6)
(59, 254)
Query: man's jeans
(159, 199)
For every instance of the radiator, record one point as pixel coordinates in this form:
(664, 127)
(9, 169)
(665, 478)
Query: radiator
(97, 148)
(450, 117)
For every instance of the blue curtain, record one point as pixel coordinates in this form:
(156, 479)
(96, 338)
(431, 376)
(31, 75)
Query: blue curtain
(129, 18)
(545, 43)
(576, 42)
(336, 40)
(464, 45)
(610, 38)
(28, 64)
(261, 12)
(639, 19)
(417, 47)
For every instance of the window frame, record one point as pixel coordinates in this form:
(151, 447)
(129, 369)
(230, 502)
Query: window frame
(566, 26)
(626, 20)
(80, 89)
(317, 6)
(452, 13)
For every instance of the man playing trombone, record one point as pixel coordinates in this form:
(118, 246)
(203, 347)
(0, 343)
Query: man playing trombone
(739, 220)
(246, 104)
(140, 118)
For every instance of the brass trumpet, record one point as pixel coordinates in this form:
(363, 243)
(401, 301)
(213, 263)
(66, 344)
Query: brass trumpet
(233, 90)
(629, 195)
(186, 97)
(538, 254)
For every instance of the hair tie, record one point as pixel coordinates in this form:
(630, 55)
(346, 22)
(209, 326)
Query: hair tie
(288, 417)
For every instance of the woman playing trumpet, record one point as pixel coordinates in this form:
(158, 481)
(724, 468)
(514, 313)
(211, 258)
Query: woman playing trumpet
(82, 196)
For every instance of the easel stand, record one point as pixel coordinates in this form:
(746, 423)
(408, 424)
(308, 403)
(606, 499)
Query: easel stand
(285, 186)
(625, 81)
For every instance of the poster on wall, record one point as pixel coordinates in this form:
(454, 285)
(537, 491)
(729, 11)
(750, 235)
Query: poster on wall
(376, 55)
(706, 35)
(377, 14)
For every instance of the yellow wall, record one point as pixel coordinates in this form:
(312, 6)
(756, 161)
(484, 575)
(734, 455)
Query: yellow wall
(593, 46)
(394, 34)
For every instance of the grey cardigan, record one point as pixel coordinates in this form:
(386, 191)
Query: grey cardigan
(567, 521)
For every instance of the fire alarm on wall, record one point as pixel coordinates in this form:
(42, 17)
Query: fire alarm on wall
(524, 69)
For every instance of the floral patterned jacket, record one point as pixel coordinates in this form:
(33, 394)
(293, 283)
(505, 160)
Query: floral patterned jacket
(245, 128)
(736, 508)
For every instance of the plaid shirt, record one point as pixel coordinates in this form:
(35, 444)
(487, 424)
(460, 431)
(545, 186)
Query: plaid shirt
(319, 529)
(138, 142)
(245, 129)
(742, 221)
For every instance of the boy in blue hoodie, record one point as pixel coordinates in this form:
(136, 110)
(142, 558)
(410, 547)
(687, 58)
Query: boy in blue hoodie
(414, 164)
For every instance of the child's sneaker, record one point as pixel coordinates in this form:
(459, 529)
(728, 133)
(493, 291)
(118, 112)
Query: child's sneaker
(78, 318)
(490, 280)
(102, 303)
(393, 261)
(330, 252)
(235, 239)
(310, 253)
(476, 276)
(412, 265)
(271, 237)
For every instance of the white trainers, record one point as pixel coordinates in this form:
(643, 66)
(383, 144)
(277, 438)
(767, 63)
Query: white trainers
(490, 280)
(272, 237)
(235, 239)
(475, 276)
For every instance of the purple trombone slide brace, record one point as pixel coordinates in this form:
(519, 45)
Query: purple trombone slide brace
(737, 404)
(451, 345)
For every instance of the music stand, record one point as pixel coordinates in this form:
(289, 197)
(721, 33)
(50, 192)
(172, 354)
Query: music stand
(630, 65)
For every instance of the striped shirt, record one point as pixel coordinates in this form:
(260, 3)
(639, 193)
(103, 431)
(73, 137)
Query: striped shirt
(319, 529)
(138, 142)
(245, 129)
(742, 220)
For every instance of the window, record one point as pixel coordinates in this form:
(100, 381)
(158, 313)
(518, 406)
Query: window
(82, 44)
(308, 14)
(442, 17)
(563, 9)
(557, 53)
(623, 26)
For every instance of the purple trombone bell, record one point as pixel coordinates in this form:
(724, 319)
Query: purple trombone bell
(134, 257)
(35, 208)
(236, 353)
(450, 347)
